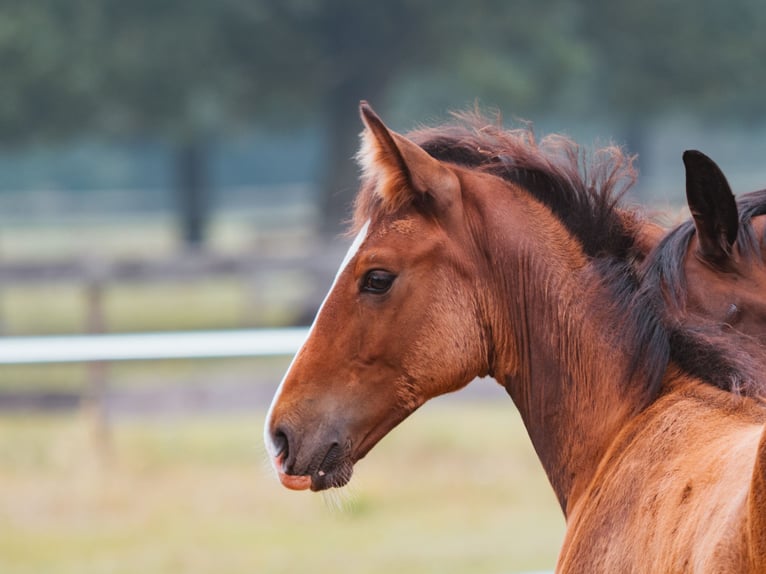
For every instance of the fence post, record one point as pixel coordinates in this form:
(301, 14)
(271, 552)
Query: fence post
(97, 371)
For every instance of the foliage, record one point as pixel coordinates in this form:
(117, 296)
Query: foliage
(50, 79)
(701, 57)
(181, 66)
(190, 70)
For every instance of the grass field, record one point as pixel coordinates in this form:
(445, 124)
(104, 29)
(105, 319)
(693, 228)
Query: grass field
(455, 489)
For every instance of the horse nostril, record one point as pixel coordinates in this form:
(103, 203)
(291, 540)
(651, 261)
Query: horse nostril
(281, 443)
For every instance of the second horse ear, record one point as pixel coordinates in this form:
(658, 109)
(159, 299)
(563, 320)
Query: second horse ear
(712, 206)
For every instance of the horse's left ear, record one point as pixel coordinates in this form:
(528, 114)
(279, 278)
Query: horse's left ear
(712, 205)
(402, 168)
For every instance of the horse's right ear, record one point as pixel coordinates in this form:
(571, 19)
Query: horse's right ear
(400, 167)
(712, 206)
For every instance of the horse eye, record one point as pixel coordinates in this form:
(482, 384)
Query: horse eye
(378, 281)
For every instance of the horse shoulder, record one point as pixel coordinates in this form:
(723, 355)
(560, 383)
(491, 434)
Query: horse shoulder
(672, 493)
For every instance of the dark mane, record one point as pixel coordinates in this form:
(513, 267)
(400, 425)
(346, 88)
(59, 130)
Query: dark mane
(582, 192)
(751, 205)
(704, 350)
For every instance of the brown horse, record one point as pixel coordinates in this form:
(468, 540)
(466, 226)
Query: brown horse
(479, 252)
(711, 271)
(713, 265)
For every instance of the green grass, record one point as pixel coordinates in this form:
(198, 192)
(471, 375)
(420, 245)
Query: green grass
(73, 377)
(455, 489)
(64, 235)
(61, 237)
(206, 303)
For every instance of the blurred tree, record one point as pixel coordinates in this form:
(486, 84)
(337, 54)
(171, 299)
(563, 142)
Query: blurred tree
(187, 71)
(182, 71)
(160, 77)
(652, 57)
(49, 82)
(363, 50)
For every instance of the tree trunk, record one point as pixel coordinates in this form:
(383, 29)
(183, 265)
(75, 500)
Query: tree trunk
(339, 175)
(192, 192)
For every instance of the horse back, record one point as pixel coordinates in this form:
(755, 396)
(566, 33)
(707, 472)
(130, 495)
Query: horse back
(673, 493)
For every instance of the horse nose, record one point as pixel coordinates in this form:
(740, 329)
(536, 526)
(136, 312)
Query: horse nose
(280, 443)
(283, 452)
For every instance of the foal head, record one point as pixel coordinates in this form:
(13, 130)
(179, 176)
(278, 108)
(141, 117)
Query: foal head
(713, 267)
(399, 326)
(709, 278)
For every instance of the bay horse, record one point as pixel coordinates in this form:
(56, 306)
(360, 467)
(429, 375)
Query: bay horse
(710, 275)
(712, 268)
(479, 252)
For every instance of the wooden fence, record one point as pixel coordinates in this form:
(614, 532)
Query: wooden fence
(97, 347)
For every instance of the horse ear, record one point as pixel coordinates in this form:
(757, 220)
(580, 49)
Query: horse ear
(400, 167)
(712, 206)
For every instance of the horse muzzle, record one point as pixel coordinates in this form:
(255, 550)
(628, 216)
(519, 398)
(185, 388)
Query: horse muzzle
(316, 467)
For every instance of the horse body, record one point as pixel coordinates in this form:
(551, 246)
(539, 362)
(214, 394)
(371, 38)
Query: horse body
(472, 265)
(674, 492)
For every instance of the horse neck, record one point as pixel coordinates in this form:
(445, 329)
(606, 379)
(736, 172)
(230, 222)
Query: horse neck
(557, 346)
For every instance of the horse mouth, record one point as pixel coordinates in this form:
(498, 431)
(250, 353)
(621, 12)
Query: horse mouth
(333, 472)
(294, 481)
(331, 465)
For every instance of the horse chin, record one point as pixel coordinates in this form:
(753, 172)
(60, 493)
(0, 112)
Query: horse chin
(336, 477)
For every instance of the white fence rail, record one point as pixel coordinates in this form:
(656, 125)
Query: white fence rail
(150, 346)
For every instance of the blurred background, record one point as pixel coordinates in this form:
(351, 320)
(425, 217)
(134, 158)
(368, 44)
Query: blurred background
(186, 165)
